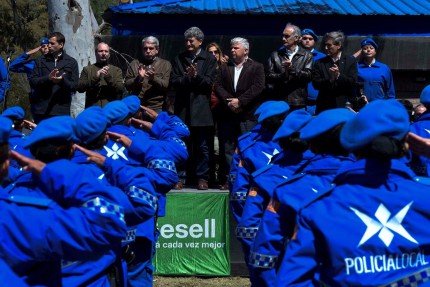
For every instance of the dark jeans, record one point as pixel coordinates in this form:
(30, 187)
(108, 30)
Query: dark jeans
(228, 132)
(198, 145)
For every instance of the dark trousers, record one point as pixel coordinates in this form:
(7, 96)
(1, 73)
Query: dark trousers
(228, 132)
(198, 144)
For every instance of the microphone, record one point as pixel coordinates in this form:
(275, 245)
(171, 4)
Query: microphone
(10, 52)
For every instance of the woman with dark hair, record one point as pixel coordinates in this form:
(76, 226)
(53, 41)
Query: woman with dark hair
(215, 50)
(368, 229)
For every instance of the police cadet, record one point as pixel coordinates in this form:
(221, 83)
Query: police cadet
(137, 198)
(308, 181)
(368, 229)
(137, 148)
(238, 185)
(237, 197)
(266, 178)
(252, 157)
(421, 127)
(37, 231)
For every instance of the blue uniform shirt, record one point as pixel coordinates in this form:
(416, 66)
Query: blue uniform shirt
(420, 164)
(378, 81)
(367, 231)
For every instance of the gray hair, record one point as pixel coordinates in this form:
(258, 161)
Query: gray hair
(151, 40)
(194, 32)
(296, 29)
(337, 36)
(241, 41)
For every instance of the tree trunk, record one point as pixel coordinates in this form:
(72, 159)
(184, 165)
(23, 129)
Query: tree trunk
(72, 18)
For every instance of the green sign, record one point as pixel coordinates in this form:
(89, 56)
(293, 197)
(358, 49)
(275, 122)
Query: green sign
(194, 235)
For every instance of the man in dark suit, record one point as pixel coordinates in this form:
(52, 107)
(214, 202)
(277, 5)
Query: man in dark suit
(238, 86)
(335, 76)
(193, 74)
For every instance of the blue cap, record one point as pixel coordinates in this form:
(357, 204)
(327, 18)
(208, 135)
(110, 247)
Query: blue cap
(60, 128)
(262, 107)
(133, 104)
(310, 32)
(5, 129)
(293, 123)
(14, 113)
(116, 111)
(44, 41)
(368, 41)
(274, 108)
(90, 124)
(325, 121)
(377, 118)
(425, 96)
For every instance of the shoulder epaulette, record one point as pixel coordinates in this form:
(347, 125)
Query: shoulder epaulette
(29, 200)
(422, 179)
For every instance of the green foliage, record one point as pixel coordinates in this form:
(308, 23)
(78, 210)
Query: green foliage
(23, 23)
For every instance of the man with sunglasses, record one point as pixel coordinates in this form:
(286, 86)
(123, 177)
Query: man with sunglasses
(149, 77)
(289, 70)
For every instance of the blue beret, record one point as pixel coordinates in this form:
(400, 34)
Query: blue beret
(425, 96)
(90, 124)
(273, 109)
(368, 41)
(60, 128)
(44, 41)
(310, 32)
(292, 123)
(5, 129)
(133, 104)
(116, 111)
(324, 122)
(378, 118)
(14, 113)
(262, 107)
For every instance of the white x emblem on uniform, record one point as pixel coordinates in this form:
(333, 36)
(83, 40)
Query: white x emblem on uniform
(115, 152)
(269, 156)
(384, 225)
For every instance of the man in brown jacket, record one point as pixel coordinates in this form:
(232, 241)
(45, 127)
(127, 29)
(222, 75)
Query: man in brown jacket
(149, 78)
(238, 86)
(101, 81)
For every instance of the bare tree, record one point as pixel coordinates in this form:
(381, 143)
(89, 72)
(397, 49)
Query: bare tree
(73, 18)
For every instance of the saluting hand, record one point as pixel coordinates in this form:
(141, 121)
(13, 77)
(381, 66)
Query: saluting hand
(92, 156)
(140, 124)
(150, 112)
(33, 165)
(120, 138)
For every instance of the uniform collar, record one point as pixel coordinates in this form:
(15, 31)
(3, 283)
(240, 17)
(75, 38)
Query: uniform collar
(372, 172)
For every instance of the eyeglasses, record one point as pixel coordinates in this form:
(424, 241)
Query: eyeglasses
(148, 48)
(307, 38)
(286, 36)
(216, 52)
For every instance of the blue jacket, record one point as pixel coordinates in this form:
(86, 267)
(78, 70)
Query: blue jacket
(16, 141)
(279, 219)
(378, 81)
(238, 197)
(22, 64)
(420, 164)
(4, 80)
(366, 231)
(178, 126)
(312, 92)
(83, 221)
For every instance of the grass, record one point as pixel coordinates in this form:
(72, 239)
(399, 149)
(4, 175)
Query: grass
(164, 281)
